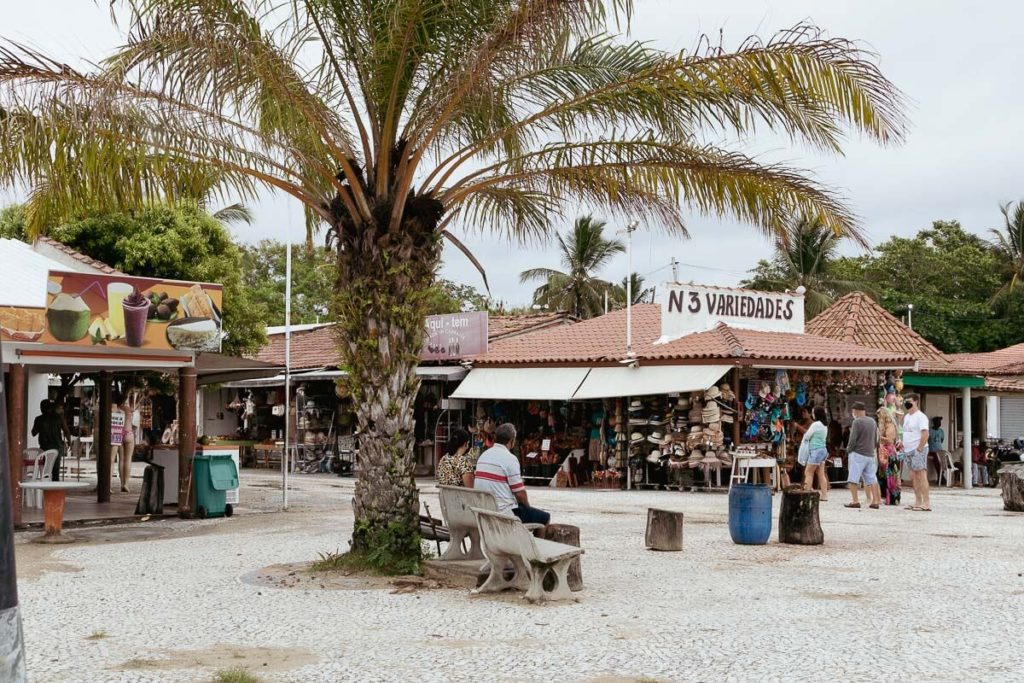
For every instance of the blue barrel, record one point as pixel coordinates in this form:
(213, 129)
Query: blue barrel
(750, 514)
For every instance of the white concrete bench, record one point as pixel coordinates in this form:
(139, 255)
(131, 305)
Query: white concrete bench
(506, 541)
(457, 503)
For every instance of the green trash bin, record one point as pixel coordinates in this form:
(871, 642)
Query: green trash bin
(212, 476)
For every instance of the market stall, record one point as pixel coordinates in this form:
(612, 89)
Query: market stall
(715, 372)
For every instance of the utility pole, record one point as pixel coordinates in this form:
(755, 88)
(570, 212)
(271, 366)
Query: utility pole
(629, 288)
(12, 644)
(287, 367)
(675, 270)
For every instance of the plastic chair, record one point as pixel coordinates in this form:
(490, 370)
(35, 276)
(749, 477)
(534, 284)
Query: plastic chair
(42, 470)
(950, 472)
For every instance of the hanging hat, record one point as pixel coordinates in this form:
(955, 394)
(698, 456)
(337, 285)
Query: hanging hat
(712, 393)
(636, 437)
(696, 455)
(682, 404)
(711, 459)
(654, 456)
(696, 429)
(655, 437)
(635, 405)
(725, 458)
(727, 418)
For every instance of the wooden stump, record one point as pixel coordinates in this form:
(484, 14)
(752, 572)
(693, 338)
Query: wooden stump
(798, 519)
(569, 535)
(1011, 481)
(664, 530)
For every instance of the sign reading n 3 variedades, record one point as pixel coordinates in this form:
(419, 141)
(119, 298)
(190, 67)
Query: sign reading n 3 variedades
(695, 308)
(121, 312)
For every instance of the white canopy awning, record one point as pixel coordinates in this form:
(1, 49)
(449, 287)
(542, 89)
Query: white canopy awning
(446, 373)
(648, 380)
(522, 384)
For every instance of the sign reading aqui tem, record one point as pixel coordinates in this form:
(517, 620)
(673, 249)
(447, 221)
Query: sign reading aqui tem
(454, 336)
(694, 308)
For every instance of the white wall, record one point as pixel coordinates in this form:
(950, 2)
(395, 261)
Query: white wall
(214, 402)
(37, 389)
(992, 416)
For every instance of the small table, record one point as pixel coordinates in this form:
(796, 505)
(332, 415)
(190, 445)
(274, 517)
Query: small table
(54, 493)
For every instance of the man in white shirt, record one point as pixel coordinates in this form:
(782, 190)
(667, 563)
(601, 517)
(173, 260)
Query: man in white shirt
(915, 451)
(497, 471)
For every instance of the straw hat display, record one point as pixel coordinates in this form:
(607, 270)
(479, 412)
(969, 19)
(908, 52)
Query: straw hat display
(711, 413)
(725, 457)
(711, 459)
(636, 437)
(696, 457)
(655, 437)
(682, 405)
(727, 394)
(634, 406)
(637, 421)
(654, 457)
(712, 393)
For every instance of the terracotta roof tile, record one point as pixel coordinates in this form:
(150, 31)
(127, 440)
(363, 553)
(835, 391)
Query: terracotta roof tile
(1004, 384)
(78, 256)
(857, 319)
(602, 340)
(318, 348)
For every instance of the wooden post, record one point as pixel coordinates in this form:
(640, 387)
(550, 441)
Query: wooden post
(186, 437)
(1011, 481)
(798, 519)
(739, 404)
(16, 427)
(569, 535)
(664, 530)
(101, 434)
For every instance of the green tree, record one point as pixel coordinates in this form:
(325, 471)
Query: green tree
(389, 120)
(178, 243)
(314, 274)
(577, 289)
(1009, 245)
(12, 223)
(642, 294)
(452, 297)
(804, 255)
(949, 276)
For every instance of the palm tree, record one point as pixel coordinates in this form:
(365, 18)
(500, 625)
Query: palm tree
(641, 293)
(391, 122)
(803, 254)
(1009, 245)
(577, 290)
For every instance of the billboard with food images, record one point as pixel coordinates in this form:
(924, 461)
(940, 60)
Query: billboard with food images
(120, 311)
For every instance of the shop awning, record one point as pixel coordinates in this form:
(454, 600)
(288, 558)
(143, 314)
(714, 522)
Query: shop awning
(648, 380)
(216, 368)
(444, 373)
(943, 381)
(522, 384)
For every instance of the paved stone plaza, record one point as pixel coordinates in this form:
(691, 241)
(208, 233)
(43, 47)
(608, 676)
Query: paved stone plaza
(893, 595)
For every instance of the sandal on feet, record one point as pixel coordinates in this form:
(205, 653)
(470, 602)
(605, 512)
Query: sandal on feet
(852, 505)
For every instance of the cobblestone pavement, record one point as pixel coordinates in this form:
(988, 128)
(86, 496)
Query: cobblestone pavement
(892, 595)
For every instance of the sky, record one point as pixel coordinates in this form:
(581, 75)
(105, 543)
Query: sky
(957, 62)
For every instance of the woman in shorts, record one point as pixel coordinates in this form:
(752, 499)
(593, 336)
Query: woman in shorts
(814, 441)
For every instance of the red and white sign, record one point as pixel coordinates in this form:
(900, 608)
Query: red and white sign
(694, 308)
(455, 336)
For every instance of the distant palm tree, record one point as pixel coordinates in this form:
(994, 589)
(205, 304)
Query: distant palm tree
(641, 293)
(577, 290)
(1009, 244)
(802, 258)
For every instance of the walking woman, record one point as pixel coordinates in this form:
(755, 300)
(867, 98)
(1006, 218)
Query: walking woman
(814, 442)
(889, 474)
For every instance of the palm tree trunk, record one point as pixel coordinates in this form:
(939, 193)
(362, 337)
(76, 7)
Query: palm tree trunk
(383, 280)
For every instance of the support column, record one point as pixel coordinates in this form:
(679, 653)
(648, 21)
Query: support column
(101, 436)
(966, 425)
(186, 437)
(12, 646)
(16, 426)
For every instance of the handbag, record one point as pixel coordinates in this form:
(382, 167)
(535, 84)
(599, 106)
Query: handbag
(803, 452)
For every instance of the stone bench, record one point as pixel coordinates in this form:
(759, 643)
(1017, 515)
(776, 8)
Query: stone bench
(457, 503)
(506, 541)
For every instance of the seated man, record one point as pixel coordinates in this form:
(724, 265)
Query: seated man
(497, 471)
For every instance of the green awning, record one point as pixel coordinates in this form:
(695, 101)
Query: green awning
(943, 381)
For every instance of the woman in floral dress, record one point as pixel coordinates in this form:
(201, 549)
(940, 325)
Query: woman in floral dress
(889, 469)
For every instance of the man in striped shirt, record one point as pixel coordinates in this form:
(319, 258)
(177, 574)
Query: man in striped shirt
(497, 471)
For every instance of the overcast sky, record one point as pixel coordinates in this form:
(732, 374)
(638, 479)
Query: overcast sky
(958, 62)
